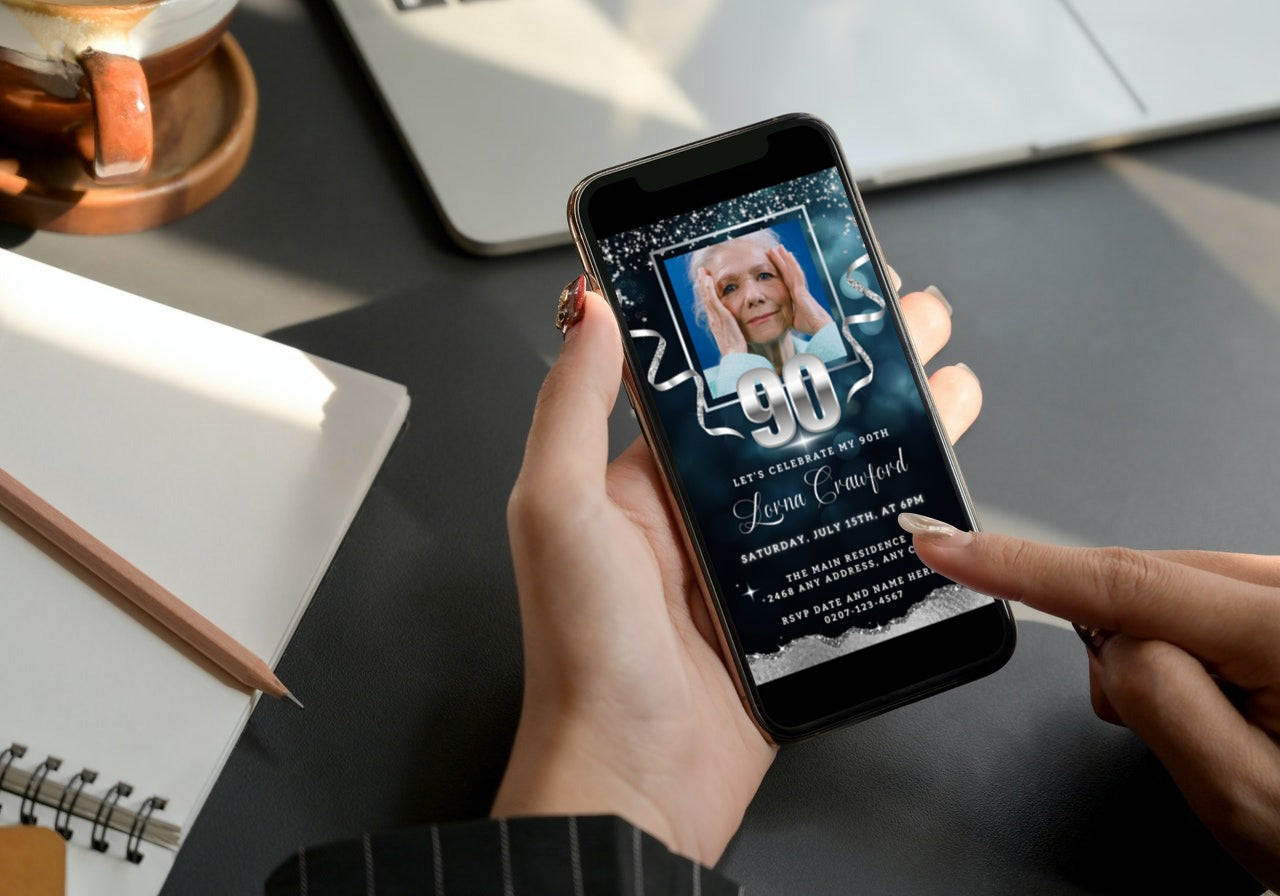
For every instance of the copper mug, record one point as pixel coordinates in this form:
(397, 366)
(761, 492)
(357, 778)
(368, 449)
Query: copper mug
(77, 75)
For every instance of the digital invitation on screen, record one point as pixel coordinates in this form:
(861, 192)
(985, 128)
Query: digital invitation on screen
(792, 414)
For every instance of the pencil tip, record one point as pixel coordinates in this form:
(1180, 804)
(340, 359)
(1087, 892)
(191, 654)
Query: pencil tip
(294, 700)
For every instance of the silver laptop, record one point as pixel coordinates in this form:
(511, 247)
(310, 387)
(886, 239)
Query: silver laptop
(506, 104)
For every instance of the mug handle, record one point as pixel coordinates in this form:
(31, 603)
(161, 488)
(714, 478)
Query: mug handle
(123, 138)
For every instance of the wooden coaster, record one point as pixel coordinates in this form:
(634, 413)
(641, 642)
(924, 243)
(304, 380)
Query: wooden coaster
(203, 130)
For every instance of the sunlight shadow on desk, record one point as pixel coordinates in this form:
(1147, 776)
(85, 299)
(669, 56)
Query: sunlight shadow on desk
(1197, 207)
(186, 353)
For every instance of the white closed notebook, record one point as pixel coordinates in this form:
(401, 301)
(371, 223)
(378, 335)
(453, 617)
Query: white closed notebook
(226, 467)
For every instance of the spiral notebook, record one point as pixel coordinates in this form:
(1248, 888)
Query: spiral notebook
(225, 466)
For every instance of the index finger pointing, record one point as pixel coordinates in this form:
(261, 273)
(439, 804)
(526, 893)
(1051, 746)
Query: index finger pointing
(1216, 617)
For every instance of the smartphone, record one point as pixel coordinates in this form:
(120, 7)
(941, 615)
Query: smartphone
(769, 369)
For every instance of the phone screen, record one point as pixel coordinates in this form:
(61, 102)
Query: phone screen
(768, 345)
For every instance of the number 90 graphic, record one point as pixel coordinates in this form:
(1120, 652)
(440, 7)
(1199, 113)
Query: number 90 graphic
(803, 396)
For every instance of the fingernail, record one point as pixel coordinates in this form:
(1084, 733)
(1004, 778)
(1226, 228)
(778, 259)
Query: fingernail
(937, 294)
(570, 307)
(1092, 636)
(933, 530)
(964, 366)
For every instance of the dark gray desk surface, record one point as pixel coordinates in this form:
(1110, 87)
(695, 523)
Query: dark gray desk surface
(1123, 311)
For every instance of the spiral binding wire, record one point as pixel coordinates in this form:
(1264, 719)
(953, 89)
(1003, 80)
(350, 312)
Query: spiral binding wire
(102, 818)
(27, 811)
(69, 800)
(140, 821)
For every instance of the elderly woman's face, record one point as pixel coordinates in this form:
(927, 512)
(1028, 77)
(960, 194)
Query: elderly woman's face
(749, 286)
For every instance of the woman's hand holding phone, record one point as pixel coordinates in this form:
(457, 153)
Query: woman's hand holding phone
(628, 706)
(1187, 654)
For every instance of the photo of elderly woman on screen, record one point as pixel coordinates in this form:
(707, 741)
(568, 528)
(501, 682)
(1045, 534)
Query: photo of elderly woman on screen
(751, 295)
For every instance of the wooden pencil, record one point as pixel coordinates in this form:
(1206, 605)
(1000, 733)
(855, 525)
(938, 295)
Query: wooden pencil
(144, 592)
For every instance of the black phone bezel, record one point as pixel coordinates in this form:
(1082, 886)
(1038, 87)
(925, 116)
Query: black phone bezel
(876, 678)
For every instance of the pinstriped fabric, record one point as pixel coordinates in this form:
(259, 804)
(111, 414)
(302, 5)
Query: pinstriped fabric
(635, 860)
(370, 889)
(531, 856)
(504, 839)
(575, 857)
(437, 861)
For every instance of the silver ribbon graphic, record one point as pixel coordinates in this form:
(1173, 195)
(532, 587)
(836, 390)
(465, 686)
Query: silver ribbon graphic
(679, 378)
(866, 317)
